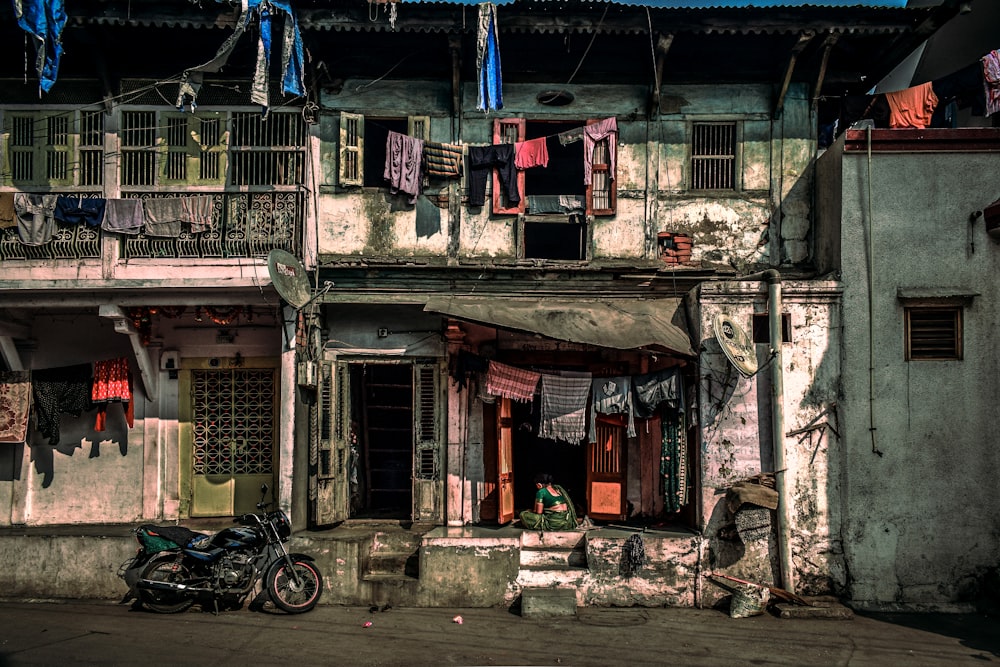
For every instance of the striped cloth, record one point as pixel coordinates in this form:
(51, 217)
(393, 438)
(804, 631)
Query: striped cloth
(564, 407)
(991, 77)
(442, 159)
(510, 382)
(15, 405)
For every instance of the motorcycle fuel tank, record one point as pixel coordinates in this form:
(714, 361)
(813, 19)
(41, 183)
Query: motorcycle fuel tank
(236, 538)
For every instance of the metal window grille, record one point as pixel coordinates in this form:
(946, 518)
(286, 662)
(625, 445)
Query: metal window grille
(267, 152)
(91, 148)
(713, 156)
(138, 141)
(175, 168)
(57, 149)
(606, 452)
(351, 149)
(934, 333)
(234, 420)
(211, 135)
(601, 178)
(22, 155)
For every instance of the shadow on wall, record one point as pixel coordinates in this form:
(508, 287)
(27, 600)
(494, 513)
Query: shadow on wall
(75, 433)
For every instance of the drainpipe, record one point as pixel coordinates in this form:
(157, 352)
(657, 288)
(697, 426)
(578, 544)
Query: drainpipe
(773, 278)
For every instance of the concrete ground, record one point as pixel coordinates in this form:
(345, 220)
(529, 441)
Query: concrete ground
(82, 633)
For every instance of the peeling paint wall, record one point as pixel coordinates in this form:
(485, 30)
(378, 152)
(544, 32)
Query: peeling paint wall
(768, 212)
(736, 431)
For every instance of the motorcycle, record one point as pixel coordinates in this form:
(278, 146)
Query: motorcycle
(176, 567)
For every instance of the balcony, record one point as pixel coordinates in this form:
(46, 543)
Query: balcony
(246, 225)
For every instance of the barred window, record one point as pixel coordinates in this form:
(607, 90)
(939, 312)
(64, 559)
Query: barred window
(55, 148)
(713, 156)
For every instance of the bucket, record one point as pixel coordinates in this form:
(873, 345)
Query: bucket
(674, 248)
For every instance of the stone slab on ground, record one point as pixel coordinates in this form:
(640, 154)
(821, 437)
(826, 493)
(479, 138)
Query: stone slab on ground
(547, 602)
(818, 608)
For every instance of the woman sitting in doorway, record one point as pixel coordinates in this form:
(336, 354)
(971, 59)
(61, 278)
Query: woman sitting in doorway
(553, 507)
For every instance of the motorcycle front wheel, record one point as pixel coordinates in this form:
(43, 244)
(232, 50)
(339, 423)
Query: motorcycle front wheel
(166, 602)
(290, 596)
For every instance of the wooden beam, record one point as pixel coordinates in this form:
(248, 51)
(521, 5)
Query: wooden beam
(123, 325)
(803, 40)
(828, 43)
(663, 43)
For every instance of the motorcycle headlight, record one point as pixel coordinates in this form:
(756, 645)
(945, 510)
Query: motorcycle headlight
(281, 523)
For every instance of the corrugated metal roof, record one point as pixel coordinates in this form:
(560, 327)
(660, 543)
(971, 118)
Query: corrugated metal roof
(709, 4)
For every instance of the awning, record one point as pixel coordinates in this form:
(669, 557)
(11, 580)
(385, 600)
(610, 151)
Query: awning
(623, 324)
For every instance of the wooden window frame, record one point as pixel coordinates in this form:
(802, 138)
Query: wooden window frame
(43, 150)
(351, 153)
(732, 157)
(603, 168)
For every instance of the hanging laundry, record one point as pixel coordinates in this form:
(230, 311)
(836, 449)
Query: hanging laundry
(8, 218)
(443, 160)
(166, 216)
(673, 459)
(123, 216)
(57, 391)
(991, 77)
(112, 384)
(488, 59)
(482, 160)
(403, 158)
(912, 107)
(564, 407)
(292, 62)
(531, 153)
(36, 223)
(605, 129)
(657, 387)
(516, 384)
(555, 203)
(611, 396)
(80, 210)
(44, 20)
(15, 405)
(570, 136)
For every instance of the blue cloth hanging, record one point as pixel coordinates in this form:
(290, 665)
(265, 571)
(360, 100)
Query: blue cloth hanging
(488, 60)
(44, 20)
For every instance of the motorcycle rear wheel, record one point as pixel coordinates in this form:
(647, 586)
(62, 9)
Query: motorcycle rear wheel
(291, 597)
(166, 602)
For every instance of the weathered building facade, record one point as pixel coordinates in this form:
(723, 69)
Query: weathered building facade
(366, 405)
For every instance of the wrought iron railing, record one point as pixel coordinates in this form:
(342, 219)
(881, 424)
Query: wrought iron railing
(245, 224)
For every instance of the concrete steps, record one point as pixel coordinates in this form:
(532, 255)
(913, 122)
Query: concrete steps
(552, 569)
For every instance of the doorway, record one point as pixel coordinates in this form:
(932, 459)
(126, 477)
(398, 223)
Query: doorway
(232, 435)
(382, 441)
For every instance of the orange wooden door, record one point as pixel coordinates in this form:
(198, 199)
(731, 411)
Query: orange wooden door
(505, 462)
(606, 471)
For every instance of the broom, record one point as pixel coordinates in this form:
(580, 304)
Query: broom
(779, 593)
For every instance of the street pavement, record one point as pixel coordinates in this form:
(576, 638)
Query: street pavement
(102, 633)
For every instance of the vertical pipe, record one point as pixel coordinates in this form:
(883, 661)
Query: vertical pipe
(778, 428)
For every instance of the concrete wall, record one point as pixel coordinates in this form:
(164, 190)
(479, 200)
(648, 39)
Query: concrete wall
(737, 434)
(922, 524)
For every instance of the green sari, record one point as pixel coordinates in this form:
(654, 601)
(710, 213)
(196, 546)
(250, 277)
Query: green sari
(549, 520)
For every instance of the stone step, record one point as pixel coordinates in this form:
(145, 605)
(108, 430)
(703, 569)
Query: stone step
(539, 558)
(558, 539)
(538, 602)
(552, 577)
(393, 562)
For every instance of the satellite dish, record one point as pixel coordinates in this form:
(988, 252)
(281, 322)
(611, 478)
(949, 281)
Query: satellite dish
(736, 344)
(289, 277)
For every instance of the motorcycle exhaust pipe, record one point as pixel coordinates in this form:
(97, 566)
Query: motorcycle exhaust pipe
(169, 586)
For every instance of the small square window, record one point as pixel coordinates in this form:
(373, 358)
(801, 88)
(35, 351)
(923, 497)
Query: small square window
(762, 328)
(933, 333)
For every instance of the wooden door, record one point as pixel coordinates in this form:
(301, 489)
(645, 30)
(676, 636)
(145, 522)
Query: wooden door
(505, 462)
(606, 470)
